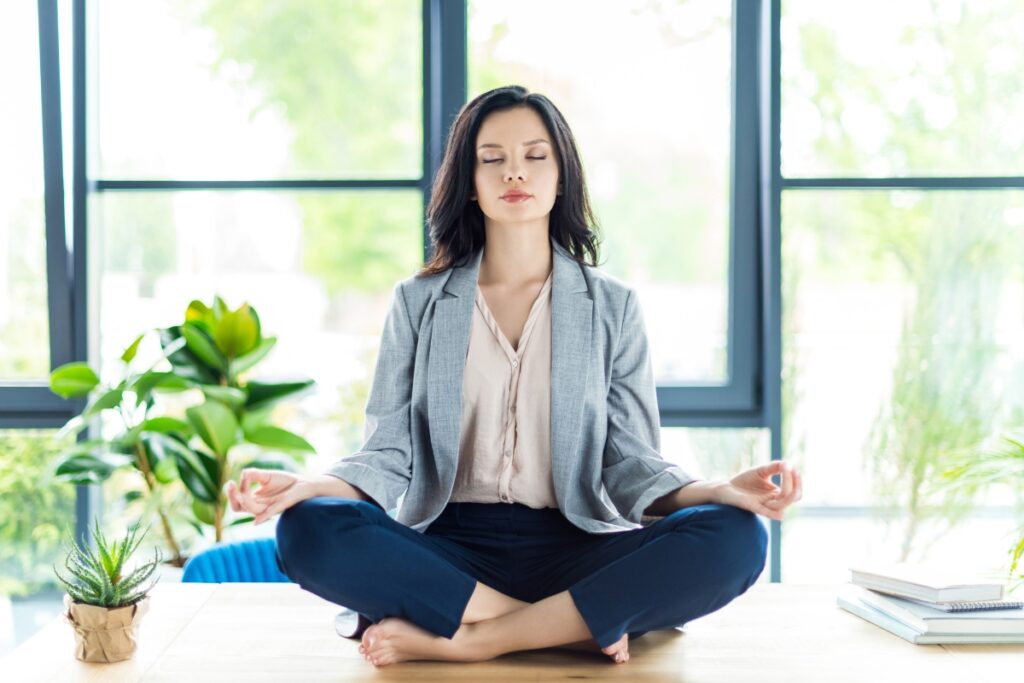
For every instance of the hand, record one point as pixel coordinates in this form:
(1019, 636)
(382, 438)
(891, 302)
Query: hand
(278, 490)
(753, 489)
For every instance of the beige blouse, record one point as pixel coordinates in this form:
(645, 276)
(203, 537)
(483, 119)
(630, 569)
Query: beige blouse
(505, 444)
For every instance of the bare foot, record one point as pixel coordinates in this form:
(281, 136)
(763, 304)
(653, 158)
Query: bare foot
(621, 646)
(397, 640)
(619, 650)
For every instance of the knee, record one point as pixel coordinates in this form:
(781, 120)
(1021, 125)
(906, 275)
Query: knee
(742, 537)
(747, 537)
(301, 528)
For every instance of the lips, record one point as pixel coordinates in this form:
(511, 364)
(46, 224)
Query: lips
(515, 196)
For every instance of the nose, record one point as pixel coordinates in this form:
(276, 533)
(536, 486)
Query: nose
(514, 171)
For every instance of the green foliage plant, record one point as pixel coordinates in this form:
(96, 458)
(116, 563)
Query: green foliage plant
(212, 351)
(1001, 465)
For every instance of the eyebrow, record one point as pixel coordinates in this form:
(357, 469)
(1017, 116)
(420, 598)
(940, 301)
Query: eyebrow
(525, 144)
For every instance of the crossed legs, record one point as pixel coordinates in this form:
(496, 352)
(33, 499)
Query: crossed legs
(684, 566)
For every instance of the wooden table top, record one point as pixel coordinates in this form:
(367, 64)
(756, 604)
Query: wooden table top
(277, 632)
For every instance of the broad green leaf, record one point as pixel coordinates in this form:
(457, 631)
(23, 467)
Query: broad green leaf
(243, 363)
(235, 333)
(186, 364)
(256, 319)
(195, 474)
(129, 354)
(197, 310)
(105, 402)
(203, 511)
(95, 467)
(275, 437)
(219, 307)
(150, 381)
(163, 449)
(73, 379)
(200, 343)
(232, 397)
(165, 424)
(254, 418)
(166, 470)
(215, 424)
(262, 394)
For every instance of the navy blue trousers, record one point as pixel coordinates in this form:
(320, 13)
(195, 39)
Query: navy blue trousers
(681, 567)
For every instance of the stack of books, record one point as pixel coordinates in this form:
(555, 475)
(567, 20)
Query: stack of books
(927, 607)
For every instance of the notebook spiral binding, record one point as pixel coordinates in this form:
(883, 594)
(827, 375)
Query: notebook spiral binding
(971, 606)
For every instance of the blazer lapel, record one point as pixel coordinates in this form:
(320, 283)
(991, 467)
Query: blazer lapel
(571, 341)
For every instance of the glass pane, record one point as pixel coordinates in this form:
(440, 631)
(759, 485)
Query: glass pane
(817, 549)
(223, 89)
(934, 89)
(24, 325)
(904, 350)
(318, 267)
(37, 512)
(657, 166)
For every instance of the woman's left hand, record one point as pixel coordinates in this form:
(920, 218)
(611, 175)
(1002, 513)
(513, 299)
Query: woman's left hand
(753, 489)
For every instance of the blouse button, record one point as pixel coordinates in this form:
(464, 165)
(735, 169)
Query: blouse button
(515, 364)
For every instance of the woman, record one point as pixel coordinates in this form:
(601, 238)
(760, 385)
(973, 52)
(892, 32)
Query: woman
(513, 405)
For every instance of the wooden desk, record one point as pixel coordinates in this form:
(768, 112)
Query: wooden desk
(278, 632)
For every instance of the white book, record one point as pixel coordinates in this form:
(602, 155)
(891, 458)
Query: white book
(925, 583)
(851, 602)
(929, 620)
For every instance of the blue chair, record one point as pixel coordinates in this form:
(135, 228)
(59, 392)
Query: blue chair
(249, 561)
(256, 561)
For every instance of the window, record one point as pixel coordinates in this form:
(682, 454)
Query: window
(902, 278)
(657, 135)
(24, 327)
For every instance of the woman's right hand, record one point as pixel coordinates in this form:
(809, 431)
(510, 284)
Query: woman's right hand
(278, 490)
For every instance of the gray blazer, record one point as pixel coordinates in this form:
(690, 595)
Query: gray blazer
(604, 413)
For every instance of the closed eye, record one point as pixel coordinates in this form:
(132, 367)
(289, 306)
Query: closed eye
(491, 161)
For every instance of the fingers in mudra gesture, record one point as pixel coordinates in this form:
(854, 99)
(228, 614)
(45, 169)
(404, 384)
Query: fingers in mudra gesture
(265, 493)
(754, 490)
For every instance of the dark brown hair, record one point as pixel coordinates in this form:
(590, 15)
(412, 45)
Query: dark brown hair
(457, 224)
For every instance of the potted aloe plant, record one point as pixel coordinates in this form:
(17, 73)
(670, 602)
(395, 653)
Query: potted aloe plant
(183, 455)
(104, 602)
(1004, 464)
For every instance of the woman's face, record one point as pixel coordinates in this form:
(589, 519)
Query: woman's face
(515, 153)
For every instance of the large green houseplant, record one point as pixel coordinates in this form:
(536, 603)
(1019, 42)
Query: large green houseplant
(1001, 465)
(211, 353)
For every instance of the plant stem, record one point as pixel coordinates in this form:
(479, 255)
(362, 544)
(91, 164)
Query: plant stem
(164, 522)
(147, 475)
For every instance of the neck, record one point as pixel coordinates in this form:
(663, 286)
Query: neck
(515, 256)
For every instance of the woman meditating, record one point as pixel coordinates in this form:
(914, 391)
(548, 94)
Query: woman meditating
(513, 406)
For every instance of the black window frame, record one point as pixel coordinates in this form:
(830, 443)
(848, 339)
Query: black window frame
(749, 397)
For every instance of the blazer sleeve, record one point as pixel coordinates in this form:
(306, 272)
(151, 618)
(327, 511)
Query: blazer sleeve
(634, 473)
(382, 466)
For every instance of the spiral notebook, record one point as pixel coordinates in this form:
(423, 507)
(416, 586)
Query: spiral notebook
(925, 619)
(968, 605)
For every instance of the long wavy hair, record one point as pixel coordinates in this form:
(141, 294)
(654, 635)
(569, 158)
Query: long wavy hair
(457, 224)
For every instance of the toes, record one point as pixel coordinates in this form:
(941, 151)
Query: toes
(619, 650)
(369, 635)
